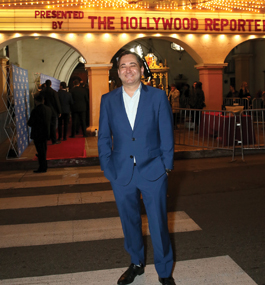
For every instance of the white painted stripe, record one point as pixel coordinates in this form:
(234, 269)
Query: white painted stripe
(56, 200)
(56, 182)
(81, 230)
(51, 172)
(66, 176)
(208, 271)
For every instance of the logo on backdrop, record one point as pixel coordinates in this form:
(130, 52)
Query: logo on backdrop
(22, 106)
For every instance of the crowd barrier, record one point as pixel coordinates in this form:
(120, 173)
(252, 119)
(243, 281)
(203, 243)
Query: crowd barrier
(237, 101)
(258, 103)
(252, 128)
(214, 129)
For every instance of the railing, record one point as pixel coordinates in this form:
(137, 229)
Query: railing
(258, 103)
(226, 130)
(206, 129)
(237, 101)
(252, 128)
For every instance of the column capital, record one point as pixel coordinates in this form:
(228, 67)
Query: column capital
(3, 60)
(107, 66)
(211, 65)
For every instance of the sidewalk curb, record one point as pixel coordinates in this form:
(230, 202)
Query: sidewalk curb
(25, 164)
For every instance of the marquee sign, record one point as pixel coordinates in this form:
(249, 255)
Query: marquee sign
(100, 21)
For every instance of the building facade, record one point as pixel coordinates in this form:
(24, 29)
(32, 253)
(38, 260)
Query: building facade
(97, 30)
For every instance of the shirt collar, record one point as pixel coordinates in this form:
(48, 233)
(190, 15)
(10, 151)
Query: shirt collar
(138, 90)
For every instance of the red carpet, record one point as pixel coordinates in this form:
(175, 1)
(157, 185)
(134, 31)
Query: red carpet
(71, 148)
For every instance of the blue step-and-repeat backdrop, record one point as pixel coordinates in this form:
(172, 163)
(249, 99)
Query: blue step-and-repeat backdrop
(22, 106)
(55, 82)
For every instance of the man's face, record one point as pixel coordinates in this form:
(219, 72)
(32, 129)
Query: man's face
(129, 70)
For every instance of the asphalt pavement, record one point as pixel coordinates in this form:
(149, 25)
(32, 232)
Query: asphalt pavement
(218, 224)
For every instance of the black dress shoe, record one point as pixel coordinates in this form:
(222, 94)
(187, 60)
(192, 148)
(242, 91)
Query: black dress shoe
(129, 275)
(167, 281)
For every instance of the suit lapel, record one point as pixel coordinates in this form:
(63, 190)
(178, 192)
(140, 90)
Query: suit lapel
(141, 105)
(121, 108)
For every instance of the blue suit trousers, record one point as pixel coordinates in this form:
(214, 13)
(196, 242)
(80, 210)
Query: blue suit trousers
(154, 194)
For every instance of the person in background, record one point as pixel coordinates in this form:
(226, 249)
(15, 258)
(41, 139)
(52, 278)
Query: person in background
(184, 98)
(244, 90)
(66, 102)
(232, 92)
(244, 93)
(199, 103)
(85, 86)
(79, 108)
(136, 154)
(51, 100)
(174, 95)
(192, 97)
(39, 121)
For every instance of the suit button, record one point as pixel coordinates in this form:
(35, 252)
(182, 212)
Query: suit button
(133, 139)
(131, 156)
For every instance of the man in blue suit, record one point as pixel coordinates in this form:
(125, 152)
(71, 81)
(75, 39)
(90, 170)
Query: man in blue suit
(136, 149)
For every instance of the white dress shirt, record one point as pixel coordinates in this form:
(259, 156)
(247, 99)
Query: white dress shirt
(131, 104)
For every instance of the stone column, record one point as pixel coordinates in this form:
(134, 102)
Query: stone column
(3, 85)
(98, 80)
(211, 77)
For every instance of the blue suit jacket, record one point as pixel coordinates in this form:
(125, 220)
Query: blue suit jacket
(151, 141)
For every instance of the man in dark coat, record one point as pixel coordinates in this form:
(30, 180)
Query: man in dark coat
(66, 102)
(79, 108)
(51, 100)
(39, 121)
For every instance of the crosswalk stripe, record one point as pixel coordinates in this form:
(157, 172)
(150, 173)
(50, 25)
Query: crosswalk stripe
(48, 183)
(54, 177)
(220, 270)
(81, 230)
(56, 200)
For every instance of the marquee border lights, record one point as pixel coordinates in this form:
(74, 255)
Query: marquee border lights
(159, 5)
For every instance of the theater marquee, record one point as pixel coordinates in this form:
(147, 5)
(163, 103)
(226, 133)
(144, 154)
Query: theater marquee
(99, 21)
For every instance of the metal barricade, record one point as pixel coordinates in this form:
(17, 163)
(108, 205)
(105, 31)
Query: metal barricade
(206, 129)
(237, 101)
(252, 129)
(258, 103)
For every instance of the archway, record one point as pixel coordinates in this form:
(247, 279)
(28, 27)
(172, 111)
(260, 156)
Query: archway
(43, 55)
(180, 62)
(246, 63)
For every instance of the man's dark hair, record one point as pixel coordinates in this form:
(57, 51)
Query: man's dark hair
(76, 82)
(48, 82)
(199, 85)
(63, 84)
(138, 58)
(38, 97)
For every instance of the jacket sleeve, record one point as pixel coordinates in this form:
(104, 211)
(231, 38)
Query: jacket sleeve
(31, 119)
(104, 135)
(57, 102)
(166, 132)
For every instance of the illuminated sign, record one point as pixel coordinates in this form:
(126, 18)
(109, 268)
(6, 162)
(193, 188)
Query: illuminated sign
(87, 21)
